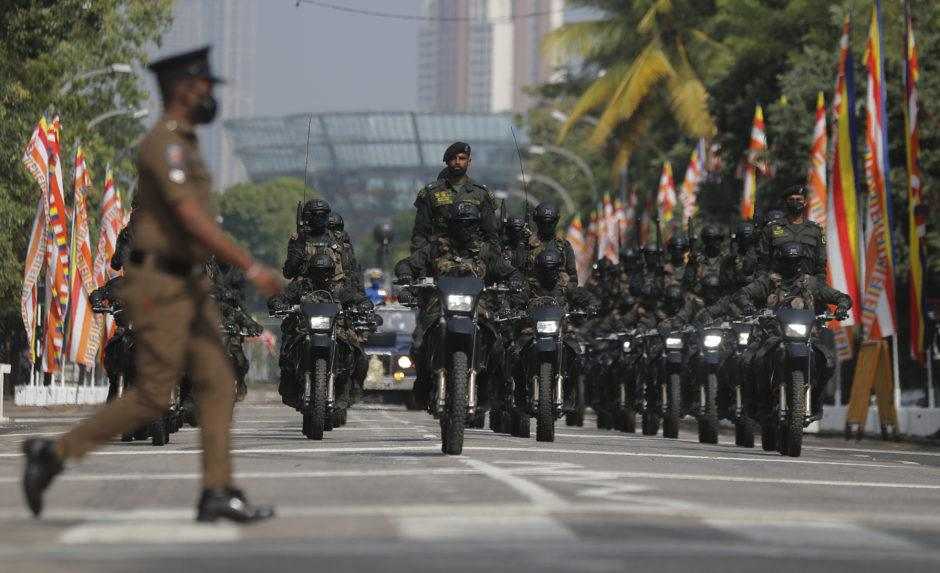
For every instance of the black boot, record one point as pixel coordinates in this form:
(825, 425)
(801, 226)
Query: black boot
(230, 503)
(42, 465)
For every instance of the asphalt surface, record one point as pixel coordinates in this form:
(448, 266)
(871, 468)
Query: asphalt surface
(378, 495)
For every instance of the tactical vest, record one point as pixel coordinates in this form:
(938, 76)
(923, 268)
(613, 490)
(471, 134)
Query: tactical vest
(706, 266)
(674, 274)
(466, 262)
(326, 244)
(441, 195)
(795, 293)
(808, 234)
(744, 266)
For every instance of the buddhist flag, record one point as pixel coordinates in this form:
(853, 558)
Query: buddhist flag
(694, 174)
(666, 194)
(57, 273)
(916, 215)
(36, 160)
(111, 223)
(817, 172)
(590, 237)
(842, 230)
(84, 327)
(878, 310)
(607, 231)
(582, 254)
(755, 162)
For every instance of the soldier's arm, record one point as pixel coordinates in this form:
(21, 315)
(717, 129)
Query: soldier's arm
(762, 248)
(828, 295)
(296, 254)
(753, 296)
(421, 231)
(822, 257)
(571, 266)
(489, 224)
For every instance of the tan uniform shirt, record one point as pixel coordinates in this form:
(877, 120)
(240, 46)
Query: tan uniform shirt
(170, 168)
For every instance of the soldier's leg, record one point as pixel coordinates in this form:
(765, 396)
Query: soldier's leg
(161, 340)
(214, 386)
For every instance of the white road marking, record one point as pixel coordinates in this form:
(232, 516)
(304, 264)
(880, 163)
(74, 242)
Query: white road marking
(150, 533)
(258, 475)
(461, 528)
(832, 535)
(535, 493)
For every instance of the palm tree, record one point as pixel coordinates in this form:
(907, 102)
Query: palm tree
(644, 44)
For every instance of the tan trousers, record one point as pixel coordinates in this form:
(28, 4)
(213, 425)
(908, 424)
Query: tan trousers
(175, 324)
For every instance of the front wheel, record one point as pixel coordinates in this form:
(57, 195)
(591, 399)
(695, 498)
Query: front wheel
(545, 422)
(521, 425)
(576, 418)
(454, 418)
(650, 424)
(708, 417)
(768, 436)
(627, 412)
(315, 410)
(159, 432)
(796, 414)
(672, 405)
(743, 434)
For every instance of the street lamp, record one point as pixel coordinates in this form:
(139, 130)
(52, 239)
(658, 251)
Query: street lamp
(112, 69)
(567, 154)
(554, 186)
(134, 113)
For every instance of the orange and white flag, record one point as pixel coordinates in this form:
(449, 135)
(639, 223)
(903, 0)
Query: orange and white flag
(84, 326)
(755, 163)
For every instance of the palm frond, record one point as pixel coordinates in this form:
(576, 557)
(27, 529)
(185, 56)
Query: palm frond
(584, 39)
(649, 68)
(631, 140)
(597, 94)
(688, 98)
(648, 21)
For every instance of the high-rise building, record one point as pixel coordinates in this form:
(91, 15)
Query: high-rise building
(478, 55)
(229, 26)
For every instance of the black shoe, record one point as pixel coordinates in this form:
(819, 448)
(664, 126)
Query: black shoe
(42, 464)
(230, 503)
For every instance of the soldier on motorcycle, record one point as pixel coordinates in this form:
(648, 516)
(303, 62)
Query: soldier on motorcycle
(676, 268)
(314, 237)
(546, 218)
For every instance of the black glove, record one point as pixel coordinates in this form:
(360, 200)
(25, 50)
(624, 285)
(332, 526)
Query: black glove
(842, 312)
(276, 305)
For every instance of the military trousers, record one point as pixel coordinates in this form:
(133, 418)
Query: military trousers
(176, 329)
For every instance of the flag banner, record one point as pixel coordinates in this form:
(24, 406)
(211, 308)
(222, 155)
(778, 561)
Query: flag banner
(694, 175)
(666, 195)
(111, 223)
(591, 237)
(582, 254)
(754, 164)
(842, 216)
(917, 217)
(36, 160)
(84, 326)
(606, 231)
(816, 181)
(57, 273)
(878, 310)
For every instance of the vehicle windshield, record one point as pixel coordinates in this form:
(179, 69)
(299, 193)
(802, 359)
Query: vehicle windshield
(397, 320)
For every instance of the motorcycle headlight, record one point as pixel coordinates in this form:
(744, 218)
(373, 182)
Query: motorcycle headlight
(626, 346)
(712, 340)
(795, 331)
(404, 362)
(320, 322)
(546, 326)
(673, 343)
(459, 302)
(744, 338)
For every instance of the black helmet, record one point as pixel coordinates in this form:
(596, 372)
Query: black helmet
(464, 212)
(712, 234)
(678, 243)
(652, 255)
(514, 226)
(545, 212)
(336, 222)
(630, 259)
(745, 231)
(315, 214)
(315, 206)
(549, 260)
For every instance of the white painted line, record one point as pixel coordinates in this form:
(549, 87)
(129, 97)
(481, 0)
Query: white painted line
(535, 493)
(835, 535)
(482, 528)
(150, 533)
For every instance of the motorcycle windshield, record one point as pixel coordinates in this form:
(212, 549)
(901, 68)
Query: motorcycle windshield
(327, 309)
(796, 316)
(547, 313)
(460, 287)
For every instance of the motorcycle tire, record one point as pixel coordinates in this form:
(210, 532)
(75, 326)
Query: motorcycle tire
(673, 407)
(628, 420)
(454, 418)
(708, 417)
(343, 417)
(315, 415)
(650, 424)
(576, 418)
(496, 420)
(159, 434)
(521, 425)
(796, 414)
(545, 422)
(603, 421)
(743, 434)
(768, 437)
(477, 421)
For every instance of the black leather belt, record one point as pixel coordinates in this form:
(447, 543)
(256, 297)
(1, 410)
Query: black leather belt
(165, 264)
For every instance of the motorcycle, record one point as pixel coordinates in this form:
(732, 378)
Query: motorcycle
(740, 404)
(671, 377)
(323, 358)
(549, 368)
(616, 403)
(709, 360)
(458, 357)
(787, 396)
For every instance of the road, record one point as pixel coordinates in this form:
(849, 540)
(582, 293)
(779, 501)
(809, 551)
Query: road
(378, 494)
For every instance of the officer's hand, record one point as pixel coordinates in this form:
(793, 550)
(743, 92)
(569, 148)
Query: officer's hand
(842, 312)
(268, 282)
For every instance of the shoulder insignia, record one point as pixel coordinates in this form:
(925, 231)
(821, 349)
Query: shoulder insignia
(443, 197)
(777, 231)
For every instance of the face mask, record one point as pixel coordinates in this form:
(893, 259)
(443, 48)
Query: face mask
(206, 110)
(546, 229)
(796, 206)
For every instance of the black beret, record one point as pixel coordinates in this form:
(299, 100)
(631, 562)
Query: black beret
(456, 149)
(193, 64)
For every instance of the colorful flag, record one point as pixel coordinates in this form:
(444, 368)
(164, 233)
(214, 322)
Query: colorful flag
(84, 326)
(57, 273)
(667, 194)
(36, 160)
(817, 173)
(582, 254)
(917, 218)
(842, 229)
(606, 231)
(694, 174)
(878, 310)
(591, 237)
(111, 223)
(754, 163)
(629, 217)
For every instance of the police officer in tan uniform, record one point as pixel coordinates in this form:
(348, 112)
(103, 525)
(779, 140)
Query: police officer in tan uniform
(168, 298)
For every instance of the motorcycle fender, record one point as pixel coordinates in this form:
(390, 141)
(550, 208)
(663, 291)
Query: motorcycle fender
(674, 358)
(460, 325)
(798, 349)
(546, 344)
(320, 342)
(711, 358)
